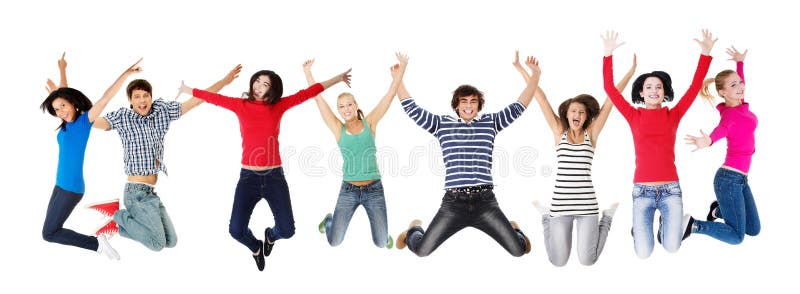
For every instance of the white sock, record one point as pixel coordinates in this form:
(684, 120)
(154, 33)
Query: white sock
(543, 210)
(104, 248)
(611, 209)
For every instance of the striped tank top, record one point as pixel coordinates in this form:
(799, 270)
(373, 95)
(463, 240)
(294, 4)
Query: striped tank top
(574, 193)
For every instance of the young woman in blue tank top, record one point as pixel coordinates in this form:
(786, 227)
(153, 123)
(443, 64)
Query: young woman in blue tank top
(362, 180)
(77, 116)
(575, 128)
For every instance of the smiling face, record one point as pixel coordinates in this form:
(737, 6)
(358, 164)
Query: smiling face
(652, 92)
(576, 116)
(141, 101)
(468, 107)
(732, 89)
(347, 107)
(260, 87)
(64, 109)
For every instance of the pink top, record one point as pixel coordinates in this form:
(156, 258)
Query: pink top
(738, 125)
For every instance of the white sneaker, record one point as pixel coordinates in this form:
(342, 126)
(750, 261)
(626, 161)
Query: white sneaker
(104, 248)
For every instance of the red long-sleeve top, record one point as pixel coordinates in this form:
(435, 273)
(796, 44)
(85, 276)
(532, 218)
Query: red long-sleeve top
(654, 130)
(260, 124)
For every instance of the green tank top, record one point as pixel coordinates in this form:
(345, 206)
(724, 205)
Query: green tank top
(358, 154)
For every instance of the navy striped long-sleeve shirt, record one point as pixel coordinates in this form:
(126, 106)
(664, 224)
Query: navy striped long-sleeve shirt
(466, 147)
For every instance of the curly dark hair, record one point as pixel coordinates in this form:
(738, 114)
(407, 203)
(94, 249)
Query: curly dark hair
(465, 91)
(639, 84)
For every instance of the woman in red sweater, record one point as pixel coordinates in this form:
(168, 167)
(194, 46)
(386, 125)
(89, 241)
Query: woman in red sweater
(654, 128)
(261, 176)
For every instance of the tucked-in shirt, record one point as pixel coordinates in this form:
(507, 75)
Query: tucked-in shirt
(259, 123)
(143, 136)
(654, 130)
(466, 146)
(72, 141)
(738, 125)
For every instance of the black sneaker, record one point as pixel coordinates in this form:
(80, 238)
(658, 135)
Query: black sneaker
(260, 259)
(688, 221)
(267, 245)
(714, 206)
(658, 235)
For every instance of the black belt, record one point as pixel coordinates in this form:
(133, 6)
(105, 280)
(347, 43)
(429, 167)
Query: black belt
(472, 189)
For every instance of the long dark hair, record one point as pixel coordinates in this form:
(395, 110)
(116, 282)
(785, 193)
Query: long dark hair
(275, 87)
(73, 96)
(592, 110)
(638, 84)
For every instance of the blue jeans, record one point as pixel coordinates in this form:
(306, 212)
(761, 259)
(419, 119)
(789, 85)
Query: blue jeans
(460, 210)
(145, 218)
(62, 202)
(736, 207)
(668, 200)
(253, 186)
(350, 197)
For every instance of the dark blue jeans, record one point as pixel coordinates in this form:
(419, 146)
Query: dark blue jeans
(460, 210)
(253, 186)
(736, 207)
(62, 203)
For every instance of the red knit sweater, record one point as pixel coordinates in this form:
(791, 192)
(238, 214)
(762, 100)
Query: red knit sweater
(654, 129)
(260, 124)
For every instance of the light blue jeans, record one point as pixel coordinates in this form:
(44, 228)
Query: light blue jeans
(145, 220)
(736, 207)
(668, 200)
(350, 197)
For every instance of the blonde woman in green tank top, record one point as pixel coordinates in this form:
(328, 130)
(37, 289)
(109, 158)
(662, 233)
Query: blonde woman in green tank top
(355, 135)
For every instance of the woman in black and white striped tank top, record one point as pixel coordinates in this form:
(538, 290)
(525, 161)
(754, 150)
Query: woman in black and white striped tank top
(574, 193)
(575, 131)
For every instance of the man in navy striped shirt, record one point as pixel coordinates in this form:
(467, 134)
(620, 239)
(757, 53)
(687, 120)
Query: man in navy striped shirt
(467, 143)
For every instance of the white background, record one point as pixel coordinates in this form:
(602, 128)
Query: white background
(449, 44)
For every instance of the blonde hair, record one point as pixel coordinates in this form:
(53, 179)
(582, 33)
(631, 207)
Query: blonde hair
(718, 84)
(346, 94)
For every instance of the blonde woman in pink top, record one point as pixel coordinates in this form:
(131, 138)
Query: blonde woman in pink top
(735, 203)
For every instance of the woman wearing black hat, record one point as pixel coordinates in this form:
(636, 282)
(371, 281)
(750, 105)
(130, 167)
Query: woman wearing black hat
(654, 128)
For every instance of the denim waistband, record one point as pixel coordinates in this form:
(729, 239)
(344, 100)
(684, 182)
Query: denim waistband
(368, 187)
(731, 174)
(131, 186)
(471, 189)
(663, 187)
(468, 196)
(278, 170)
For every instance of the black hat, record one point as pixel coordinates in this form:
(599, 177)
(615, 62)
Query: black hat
(639, 84)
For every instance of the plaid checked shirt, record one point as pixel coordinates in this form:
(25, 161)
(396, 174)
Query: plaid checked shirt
(143, 136)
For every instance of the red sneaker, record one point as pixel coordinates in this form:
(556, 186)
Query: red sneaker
(107, 208)
(109, 228)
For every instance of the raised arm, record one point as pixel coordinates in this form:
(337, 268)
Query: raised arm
(549, 115)
(609, 45)
(699, 75)
(193, 102)
(333, 123)
(62, 70)
(402, 92)
(605, 110)
(738, 57)
(532, 83)
(98, 107)
(397, 71)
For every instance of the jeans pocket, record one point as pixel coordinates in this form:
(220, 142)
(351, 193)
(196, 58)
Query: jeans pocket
(675, 191)
(638, 191)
